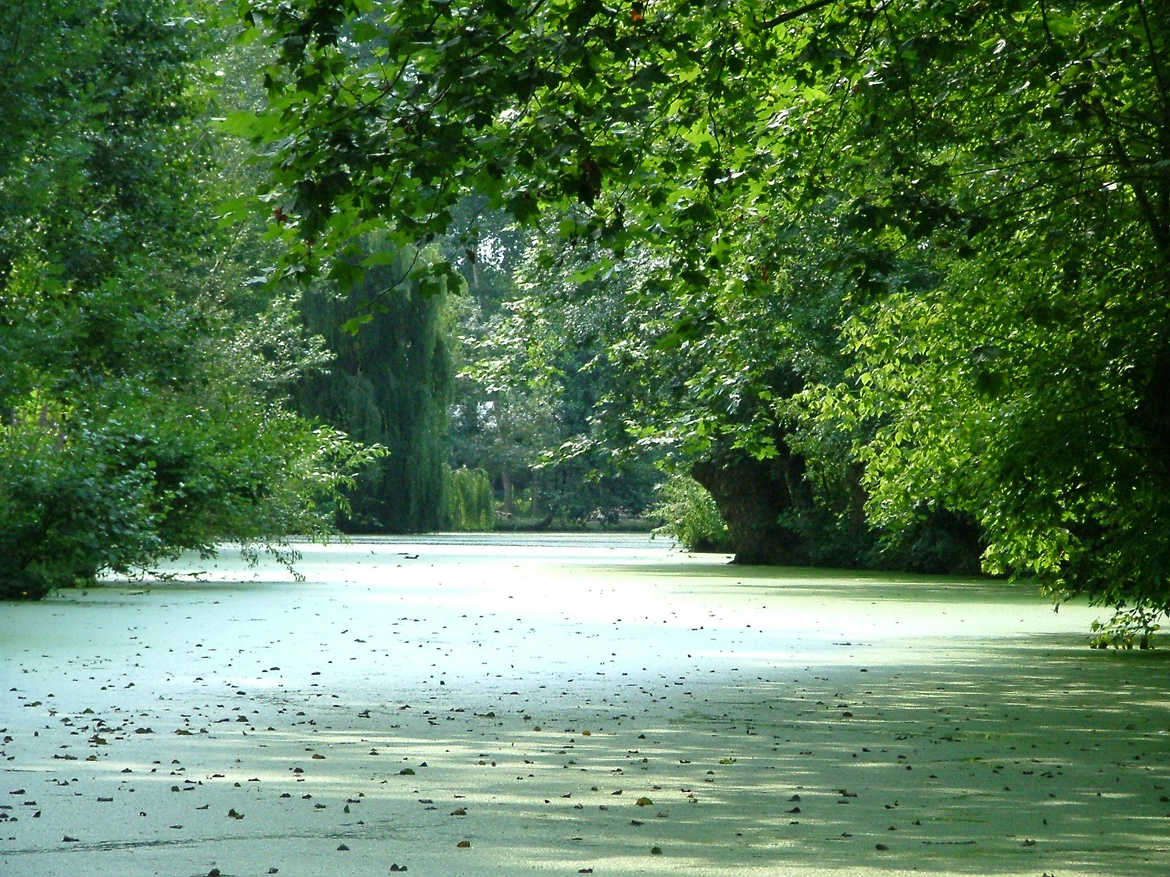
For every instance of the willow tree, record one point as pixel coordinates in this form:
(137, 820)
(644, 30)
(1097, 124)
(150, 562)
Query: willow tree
(389, 384)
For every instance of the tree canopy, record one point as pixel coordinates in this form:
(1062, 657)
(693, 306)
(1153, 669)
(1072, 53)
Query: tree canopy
(973, 198)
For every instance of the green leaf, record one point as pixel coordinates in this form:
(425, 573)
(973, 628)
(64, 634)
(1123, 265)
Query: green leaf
(354, 324)
(386, 257)
(243, 123)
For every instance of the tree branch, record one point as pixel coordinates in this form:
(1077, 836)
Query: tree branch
(1156, 67)
(794, 13)
(1158, 230)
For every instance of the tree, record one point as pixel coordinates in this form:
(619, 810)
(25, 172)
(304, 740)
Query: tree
(1026, 385)
(390, 384)
(468, 503)
(497, 424)
(535, 362)
(138, 418)
(992, 178)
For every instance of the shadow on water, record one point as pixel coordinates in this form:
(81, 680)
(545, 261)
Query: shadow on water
(1018, 757)
(847, 584)
(1017, 753)
(1008, 759)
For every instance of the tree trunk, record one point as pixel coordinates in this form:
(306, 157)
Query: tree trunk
(508, 491)
(751, 494)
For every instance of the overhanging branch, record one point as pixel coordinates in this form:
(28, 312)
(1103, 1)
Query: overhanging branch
(795, 13)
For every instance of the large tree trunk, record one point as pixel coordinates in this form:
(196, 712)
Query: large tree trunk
(507, 490)
(751, 494)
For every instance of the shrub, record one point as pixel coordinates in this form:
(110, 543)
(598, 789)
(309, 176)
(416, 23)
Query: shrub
(66, 509)
(689, 514)
(467, 499)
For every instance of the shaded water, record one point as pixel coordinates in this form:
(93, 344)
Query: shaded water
(779, 720)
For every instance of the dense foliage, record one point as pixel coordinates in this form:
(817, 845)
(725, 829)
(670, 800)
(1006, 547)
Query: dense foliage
(977, 194)
(534, 362)
(140, 404)
(690, 516)
(389, 384)
(468, 501)
(1025, 380)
